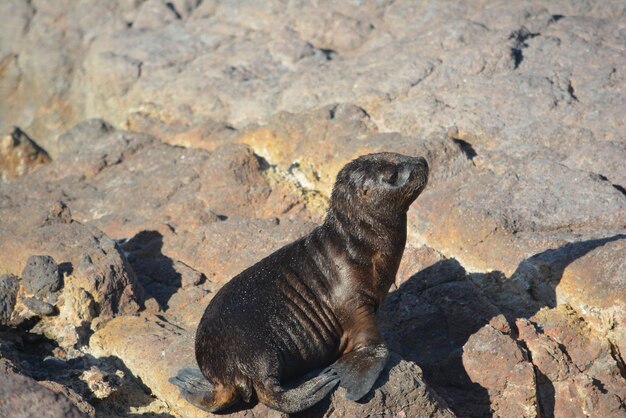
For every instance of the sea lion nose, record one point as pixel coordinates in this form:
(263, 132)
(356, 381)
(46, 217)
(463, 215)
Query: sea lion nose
(420, 161)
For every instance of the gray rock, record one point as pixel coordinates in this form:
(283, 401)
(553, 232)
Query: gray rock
(9, 285)
(88, 130)
(39, 307)
(41, 276)
(606, 158)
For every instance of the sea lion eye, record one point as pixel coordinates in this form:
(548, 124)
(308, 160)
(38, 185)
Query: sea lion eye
(391, 177)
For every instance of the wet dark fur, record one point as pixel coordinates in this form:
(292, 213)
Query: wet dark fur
(312, 302)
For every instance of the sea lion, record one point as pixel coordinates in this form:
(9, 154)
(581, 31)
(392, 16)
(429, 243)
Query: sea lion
(312, 303)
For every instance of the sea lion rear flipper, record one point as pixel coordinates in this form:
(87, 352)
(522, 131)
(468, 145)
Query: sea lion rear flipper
(359, 369)
(299, 398)
(201, 393)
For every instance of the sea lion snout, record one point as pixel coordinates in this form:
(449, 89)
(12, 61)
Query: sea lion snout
(380, 183)
(420, 163)
(417, 179)
(420, 170)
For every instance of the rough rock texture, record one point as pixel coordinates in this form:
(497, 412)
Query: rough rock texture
(496, 362)
(9, 286)
(19, 154)
(24, 397)
(41, 276)
(98, 281)
(189, 139)
(515, 209)
(88, 258)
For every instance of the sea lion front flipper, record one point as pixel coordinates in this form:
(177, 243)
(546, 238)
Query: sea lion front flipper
(359, 369)
(201, 393)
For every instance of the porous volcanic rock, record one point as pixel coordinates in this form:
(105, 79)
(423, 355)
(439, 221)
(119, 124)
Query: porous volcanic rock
(41, 276)
(336, 134)
(9, 286)
(582, 377)
(91, 259)
(97, 276)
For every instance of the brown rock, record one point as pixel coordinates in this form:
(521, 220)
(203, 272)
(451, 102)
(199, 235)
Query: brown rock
(74, 139)
(492, 220)
(509, 376)
(428, 319)
(76, 399)
(313, 147)
(242, 242)
(601, 157)
(100, 383)
(92, 262)
(19, 155)
(517, 106)
(77, 310)
(577, 371)
(595, 285)
(22, 396)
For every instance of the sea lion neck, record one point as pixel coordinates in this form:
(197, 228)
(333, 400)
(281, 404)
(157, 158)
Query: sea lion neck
(370, 233)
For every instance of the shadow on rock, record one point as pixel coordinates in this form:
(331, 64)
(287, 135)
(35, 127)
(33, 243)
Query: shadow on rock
(104, 383)
(130, 394)
(431, 316)
(541, 273)
(159, 275)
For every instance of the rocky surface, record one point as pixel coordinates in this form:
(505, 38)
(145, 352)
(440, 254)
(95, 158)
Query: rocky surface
(172, 144)
(24, 397)
(19, 155)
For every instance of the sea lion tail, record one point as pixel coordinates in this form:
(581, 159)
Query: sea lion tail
(301, 397)
(201, 393)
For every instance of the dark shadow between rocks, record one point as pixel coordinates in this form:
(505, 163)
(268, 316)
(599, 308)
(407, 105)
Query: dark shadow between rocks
(154, 270)
(66, 268)
(431, 316)
(34, 355)
(546, 394)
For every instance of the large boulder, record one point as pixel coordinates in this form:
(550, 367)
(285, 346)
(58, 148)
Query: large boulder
(24, 397)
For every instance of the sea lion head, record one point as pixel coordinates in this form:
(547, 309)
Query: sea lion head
(382, 183)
